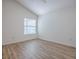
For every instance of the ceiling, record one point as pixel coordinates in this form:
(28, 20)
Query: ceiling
(40, 7)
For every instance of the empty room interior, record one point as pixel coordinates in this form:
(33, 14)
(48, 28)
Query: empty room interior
(38, 29)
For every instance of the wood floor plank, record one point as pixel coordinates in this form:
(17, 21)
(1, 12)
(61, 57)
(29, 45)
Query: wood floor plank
(38, 49)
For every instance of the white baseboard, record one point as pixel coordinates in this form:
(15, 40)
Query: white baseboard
(67, 44)
(20, 39)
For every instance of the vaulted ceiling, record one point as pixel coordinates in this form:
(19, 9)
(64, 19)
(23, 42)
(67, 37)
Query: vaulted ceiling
(40, 7)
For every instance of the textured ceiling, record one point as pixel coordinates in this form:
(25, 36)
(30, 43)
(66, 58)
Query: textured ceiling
(41, 7)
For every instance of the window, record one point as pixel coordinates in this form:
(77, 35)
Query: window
(29, 26)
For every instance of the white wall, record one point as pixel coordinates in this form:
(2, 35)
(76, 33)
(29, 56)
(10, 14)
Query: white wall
(12, 22)
(59, 26)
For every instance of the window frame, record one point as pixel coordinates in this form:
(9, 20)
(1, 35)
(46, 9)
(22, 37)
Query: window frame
(26, 26)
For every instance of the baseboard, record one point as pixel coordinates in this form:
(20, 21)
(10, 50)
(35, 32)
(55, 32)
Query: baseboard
(19, 42)
(43, 38)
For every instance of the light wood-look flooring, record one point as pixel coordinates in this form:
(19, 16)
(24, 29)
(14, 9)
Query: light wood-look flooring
(38, 49)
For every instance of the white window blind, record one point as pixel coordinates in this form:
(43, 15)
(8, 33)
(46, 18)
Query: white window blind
(29, 26)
